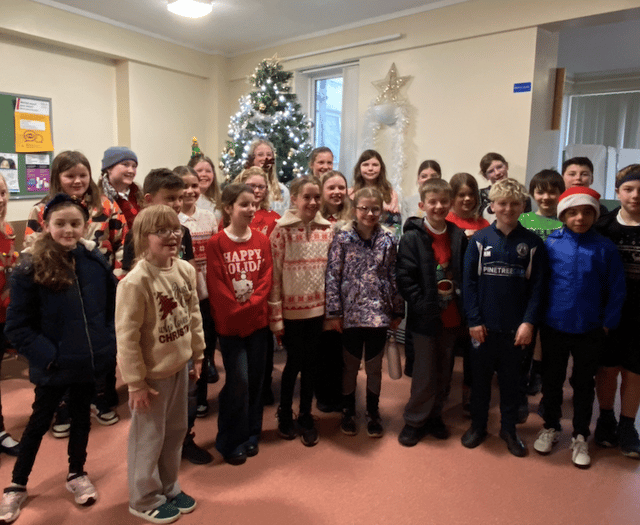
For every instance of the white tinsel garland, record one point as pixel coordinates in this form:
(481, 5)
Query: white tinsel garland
(397, 117)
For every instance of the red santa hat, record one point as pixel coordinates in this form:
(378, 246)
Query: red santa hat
(578, 196)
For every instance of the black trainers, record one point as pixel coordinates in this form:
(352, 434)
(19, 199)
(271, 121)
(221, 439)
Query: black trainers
(410, 436)
(473, 437)
(629, 440)
(348, 423)
(286, 426)
(606, 434)
(374, 424)
(308, 432)
(193, 453)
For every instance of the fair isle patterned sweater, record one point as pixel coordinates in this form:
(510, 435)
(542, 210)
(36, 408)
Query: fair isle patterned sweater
(299, 264)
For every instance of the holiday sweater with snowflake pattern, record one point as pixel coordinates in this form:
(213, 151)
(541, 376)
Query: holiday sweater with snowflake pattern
(239, 280)
(300, 254)
(158, 322)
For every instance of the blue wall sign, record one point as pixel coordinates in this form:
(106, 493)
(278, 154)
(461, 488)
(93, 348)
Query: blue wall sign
(522, 87)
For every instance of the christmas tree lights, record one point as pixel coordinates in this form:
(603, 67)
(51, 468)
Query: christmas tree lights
(272, 112)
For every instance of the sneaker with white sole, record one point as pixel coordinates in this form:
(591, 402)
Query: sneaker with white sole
(104, 417)
(546, 439)
(83, 490)
(580, 452)
(184, 503)
(12, 500)
(165, 513)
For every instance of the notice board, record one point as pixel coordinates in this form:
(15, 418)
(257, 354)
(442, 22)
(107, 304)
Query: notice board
(27, 174)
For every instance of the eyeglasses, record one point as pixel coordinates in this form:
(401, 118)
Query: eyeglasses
(366, 210)
(260, 187)
(165, 233)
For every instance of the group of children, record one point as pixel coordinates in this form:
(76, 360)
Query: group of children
(327, 280)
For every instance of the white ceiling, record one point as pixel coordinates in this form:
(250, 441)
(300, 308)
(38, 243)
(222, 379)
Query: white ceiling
(240, 26)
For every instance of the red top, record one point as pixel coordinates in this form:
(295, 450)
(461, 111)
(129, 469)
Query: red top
(8, 257)
(470, 226)
(441, 244)
(130, 206)
(264, 221)
(239, 278)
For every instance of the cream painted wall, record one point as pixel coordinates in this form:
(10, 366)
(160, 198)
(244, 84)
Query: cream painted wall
(82, 90)
(461, 107)
(167, 110)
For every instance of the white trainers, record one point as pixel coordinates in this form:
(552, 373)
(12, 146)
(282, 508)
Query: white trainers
(83, 490)
(546, 439)
(106, 418)
(10, 505)
(580, 452)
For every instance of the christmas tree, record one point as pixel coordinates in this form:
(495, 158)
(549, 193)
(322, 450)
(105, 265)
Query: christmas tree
(269, 112)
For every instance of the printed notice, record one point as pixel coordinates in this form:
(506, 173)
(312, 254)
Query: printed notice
(37, 173)
(33, 126)
(9, 170)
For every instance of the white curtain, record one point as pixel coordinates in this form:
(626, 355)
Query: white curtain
(609, 119)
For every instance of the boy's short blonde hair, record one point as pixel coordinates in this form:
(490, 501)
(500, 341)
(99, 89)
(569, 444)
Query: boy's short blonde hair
(435, 186)
(507, 188)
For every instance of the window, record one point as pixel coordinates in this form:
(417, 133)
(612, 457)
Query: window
(329, 96)
(327, 114)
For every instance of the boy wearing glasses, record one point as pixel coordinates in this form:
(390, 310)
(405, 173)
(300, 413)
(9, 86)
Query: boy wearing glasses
(429, 276)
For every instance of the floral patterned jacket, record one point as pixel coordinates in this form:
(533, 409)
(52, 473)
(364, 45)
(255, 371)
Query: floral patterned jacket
(361, 279)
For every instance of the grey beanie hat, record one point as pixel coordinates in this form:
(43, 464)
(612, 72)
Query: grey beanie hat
(117, 154)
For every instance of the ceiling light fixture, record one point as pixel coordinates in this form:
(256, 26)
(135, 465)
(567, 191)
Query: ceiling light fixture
(190, 8)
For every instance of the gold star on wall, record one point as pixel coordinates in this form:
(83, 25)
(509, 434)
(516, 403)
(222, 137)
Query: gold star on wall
(390, 87)
(273, 61)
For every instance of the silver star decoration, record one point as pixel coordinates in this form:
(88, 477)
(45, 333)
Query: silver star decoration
(390, 87)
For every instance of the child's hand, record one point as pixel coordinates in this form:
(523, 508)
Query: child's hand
(524, 335)
(141, 399)
(196, 370)
(479, 333)
(394, 324)
(334, 324)
(279, 334)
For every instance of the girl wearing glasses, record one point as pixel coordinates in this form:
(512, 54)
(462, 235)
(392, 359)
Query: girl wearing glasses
(265, 218)
(158, 331)
(362, 302)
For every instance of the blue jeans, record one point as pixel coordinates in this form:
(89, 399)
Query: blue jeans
(240, 400)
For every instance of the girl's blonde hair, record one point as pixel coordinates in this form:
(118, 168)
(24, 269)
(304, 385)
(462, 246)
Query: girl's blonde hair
(382, 184)
(299, 182)
(367, 193)
(149, 220)
(246, 174)
(344, 213)
(272, 180)
(212, 192)
(53, 267)
(229, 196)
(3, 215)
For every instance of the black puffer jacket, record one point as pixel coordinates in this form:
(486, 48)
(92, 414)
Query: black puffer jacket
(416, 275)
(67, 336)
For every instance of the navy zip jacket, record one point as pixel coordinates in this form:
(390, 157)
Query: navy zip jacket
(67, 336)
(587, 282)
(416, 274)
(504, 279)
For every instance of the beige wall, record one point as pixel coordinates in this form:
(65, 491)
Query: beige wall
(83, 100)
(110, 85)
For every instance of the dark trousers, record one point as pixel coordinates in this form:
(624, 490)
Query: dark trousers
(556, 348)
(432, 370)
(210, 337)
(3, 349)
(47, 400)
(301, 339)
(355, 341)
(240, 400)
(499, 354)
(328, 386)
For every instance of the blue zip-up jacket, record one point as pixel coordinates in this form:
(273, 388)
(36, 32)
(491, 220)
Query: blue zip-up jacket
(587, 282)
(67, 336)
(504, 279)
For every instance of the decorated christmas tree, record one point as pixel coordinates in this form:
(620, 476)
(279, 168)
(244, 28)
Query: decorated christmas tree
(270, 112)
